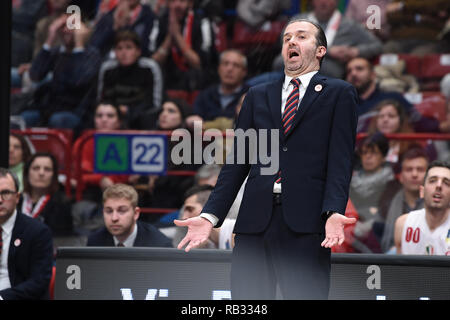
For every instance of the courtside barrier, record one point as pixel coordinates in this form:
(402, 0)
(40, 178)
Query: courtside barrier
(94, 273)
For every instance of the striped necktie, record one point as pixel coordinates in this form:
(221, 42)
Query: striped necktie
(290, 110)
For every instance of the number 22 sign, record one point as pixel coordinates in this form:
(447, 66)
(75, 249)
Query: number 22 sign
(130, 153)
(148, 154)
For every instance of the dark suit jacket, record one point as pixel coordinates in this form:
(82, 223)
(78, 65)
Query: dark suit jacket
(315, 158)
(147, 236)
(30, 260)
(207, 104)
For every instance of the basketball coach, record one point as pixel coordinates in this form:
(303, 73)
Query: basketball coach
(289, 221)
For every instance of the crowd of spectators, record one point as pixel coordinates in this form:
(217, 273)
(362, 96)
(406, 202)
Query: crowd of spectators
(167, 64)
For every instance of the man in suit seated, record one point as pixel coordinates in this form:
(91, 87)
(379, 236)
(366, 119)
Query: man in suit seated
(122, 228)
(26, 247)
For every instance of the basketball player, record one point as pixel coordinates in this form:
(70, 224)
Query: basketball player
(427, 231)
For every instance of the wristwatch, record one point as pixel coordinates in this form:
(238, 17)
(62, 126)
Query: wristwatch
(327, 214)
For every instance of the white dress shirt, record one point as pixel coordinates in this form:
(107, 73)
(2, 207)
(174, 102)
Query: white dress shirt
(129, 242)
(305, 79)
(7, 229)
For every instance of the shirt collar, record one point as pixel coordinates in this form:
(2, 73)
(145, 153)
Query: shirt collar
(129, 242)
(8, 226)
(305, 79)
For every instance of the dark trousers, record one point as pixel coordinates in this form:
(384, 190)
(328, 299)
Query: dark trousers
(294, 262)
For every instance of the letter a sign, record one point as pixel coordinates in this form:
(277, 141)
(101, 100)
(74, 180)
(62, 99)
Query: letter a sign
(130, 154)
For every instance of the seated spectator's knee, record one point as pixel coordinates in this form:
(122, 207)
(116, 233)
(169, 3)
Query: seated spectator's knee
(64, 120)
(32, 118)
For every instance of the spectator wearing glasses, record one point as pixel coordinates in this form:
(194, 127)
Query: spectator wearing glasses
(26, 250)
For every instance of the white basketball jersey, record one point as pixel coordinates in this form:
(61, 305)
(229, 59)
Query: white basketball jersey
(418, 239)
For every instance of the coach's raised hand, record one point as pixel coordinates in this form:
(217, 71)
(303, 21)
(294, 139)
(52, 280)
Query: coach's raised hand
(199, 230)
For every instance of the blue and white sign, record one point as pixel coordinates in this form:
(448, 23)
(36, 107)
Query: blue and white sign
(130, 153)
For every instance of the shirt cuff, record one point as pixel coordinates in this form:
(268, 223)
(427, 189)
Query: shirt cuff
(46, 47)
(327, 214)
(210, 217)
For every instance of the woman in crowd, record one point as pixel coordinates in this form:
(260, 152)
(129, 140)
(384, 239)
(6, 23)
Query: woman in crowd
(42, 196)
(172, 114)
(367, 185)
(19, 153)
(107, 117)
(369, 181)
(392, 118)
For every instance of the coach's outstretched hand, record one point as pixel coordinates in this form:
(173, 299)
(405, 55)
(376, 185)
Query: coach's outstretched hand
(199, 230)
(334, 230)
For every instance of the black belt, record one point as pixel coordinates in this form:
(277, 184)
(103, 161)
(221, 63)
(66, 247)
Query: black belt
(277, 198)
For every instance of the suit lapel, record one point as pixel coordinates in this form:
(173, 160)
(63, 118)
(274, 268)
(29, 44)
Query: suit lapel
(17, 233)
(107, 239)
(308, 99)
(138, 242)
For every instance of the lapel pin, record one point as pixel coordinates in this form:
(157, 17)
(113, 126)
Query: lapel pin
(318, 88)
(17, 242)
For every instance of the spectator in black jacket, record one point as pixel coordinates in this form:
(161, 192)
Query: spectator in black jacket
(132, 82)
(221, 99)
(62, 102)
